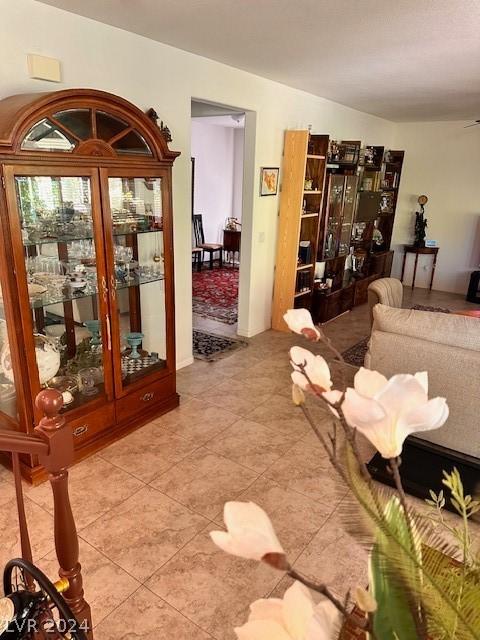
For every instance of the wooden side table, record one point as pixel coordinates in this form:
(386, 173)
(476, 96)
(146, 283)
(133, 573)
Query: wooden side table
(231, 243)
(418, 251)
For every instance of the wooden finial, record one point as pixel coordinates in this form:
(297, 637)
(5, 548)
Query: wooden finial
(49, 402)
(164, 130)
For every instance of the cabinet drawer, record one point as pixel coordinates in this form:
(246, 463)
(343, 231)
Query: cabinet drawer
(144, 398)
(88, 425)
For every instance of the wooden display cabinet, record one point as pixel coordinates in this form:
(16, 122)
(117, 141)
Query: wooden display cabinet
(301, 201)
(338, 216)
(86, 262)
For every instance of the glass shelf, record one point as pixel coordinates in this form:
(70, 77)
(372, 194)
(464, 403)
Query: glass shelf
(136, 281)
(90, 290)
(66, 239)
(38, 302)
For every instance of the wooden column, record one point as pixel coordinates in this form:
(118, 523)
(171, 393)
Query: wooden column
(54, 429)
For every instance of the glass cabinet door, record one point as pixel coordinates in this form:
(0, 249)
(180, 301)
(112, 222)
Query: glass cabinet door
(8, 395)
(349, 202)
(137, 267)
(63, 251)
(334, 213)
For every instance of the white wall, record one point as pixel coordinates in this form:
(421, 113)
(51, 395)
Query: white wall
(218, 174)
(154, 75)
(442, 160)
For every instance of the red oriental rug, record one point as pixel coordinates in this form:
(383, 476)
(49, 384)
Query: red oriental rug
(215, 294)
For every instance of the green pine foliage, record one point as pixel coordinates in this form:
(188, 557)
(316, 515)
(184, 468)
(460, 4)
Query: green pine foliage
(424, 573)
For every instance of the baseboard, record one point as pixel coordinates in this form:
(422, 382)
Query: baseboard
(249, 333)
(422, 469)
(185, 363)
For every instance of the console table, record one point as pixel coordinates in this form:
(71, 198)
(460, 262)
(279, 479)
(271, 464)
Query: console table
(418, 251)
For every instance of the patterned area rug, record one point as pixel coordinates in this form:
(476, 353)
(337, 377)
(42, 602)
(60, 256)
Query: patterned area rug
(211, 347)
(215, 294)
(356, 355)
(422, 307)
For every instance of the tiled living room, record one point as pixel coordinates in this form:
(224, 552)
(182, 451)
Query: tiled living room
(144, 512)
(310, 470)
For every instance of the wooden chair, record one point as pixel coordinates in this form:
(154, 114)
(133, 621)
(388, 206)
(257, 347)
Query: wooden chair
(197, 255)
(210, 247)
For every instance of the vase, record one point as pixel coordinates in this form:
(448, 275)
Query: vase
(134, 340)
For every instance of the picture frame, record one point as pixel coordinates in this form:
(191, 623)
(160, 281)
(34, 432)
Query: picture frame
(269, 181)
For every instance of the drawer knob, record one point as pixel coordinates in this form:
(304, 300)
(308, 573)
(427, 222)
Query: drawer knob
(148, 396)
(79, 431)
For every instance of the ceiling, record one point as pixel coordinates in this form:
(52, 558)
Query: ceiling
(230, 122)
(404, 60)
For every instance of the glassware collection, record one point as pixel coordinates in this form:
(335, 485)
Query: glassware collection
(57, 231)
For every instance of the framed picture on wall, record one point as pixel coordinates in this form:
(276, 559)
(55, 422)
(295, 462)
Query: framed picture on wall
(269, 181)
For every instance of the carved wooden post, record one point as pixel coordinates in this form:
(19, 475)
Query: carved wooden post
(60, 438)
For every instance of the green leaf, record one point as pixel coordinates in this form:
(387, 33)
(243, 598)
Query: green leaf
(394, 619)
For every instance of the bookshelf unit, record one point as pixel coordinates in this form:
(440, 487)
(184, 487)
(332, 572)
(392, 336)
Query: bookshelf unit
(301, 202)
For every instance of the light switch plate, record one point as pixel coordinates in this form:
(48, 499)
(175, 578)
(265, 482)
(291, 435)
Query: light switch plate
(43, 68)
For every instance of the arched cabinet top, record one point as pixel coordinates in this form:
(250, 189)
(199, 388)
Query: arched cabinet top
(80, 123)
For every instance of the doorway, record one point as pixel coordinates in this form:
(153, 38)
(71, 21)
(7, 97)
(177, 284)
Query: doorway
(217, 156)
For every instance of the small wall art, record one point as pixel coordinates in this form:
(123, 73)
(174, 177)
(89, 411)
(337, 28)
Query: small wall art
(269, 181)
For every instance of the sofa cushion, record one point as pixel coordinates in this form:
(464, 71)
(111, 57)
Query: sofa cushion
(445, 328)
(448, 347)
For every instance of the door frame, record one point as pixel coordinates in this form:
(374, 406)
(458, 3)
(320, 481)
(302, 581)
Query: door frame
(245, 294)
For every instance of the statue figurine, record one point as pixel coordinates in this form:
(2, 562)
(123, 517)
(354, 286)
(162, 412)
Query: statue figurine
(420, 222)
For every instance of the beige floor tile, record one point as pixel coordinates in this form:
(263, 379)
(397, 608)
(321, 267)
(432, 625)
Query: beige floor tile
(95, 487)
(197, 421)
(144, 616)
(280, 414)
(204, 481)
(252, 444)
(307, 470)
(40, 526)
(335, 558)
(239, 396)
(149, 451)
(143, 532)
(260, 378)
(228, 367)
(244, 358)
(212, 588)
(196, 379)
(106, 586)
(296, 518)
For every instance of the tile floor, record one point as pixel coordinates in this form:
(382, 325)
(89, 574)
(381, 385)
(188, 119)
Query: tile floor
(144, 506)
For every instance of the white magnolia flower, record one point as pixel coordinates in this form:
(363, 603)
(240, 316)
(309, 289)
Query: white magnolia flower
(300, 321)
(316, 369)
(250, 533)
(296, 617)
(387, 411)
